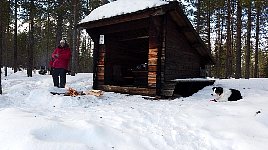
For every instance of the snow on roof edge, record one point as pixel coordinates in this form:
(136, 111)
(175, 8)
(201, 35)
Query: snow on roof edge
(120, 7)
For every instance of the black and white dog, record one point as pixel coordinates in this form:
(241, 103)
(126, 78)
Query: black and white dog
(223, 95)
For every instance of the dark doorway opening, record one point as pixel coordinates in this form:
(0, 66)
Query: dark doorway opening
(126, 60)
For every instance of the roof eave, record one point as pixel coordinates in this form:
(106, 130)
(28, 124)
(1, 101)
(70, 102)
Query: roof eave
(141, 14)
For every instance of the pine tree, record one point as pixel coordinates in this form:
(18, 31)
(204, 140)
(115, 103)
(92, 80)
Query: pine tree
(238, 40)
(248, 49)
(15, 56)
(1, 43)
(258, 11)
(74, 49)
(60, 9)
(31, 40)
(228, 43)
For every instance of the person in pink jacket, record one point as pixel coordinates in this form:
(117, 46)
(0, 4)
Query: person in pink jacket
(61, 56)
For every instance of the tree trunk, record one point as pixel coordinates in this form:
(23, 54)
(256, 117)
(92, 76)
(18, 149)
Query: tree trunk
(6, 36)
(256, 66)
(1, 37)
(15, 65)
(217, 48)
(238, 40)
(48, 31)
(221, 48)
(59, 29)
(228, 44)
(31, 40)
(6, 48)
(247, 71)
(232, 38)
(74, 50)
(198, 16)
(208, 34)
(1, 43)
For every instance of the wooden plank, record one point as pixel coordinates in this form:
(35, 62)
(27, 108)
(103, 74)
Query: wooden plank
(100, 77)
(101, 63)
(153, 43)
(152, 61)
(151, 80)
(100, 73)
(129, 90)
(101, 82)
(152, 55)
(152, 92)
(169, 86)
(167, 92)
(133, 25)
(101, 55)
(153, 50)
(152, 67)
(152, 75)
(100, 69)
(101, 60)
(102, 49)
(152, 85)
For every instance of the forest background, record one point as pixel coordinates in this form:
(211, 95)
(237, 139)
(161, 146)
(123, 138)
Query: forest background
(234, 30)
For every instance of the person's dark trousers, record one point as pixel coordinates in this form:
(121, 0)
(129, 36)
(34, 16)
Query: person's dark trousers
(51, 70)
(56, 73)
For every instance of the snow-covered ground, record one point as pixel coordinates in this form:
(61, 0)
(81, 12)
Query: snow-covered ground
(33, 119)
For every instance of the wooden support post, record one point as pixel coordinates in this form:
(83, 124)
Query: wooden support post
(154, 54)
(98, 62)
(100, 65)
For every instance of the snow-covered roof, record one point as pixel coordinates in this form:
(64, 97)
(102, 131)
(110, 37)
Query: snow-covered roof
(121, 7)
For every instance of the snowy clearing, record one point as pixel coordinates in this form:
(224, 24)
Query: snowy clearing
(33, 119)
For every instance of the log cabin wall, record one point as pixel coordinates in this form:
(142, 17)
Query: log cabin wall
(154, 55)
(181, 60)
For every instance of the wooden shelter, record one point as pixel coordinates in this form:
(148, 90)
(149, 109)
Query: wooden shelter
(143, 52)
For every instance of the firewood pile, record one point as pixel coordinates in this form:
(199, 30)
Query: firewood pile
(72, 92)
(94, 92)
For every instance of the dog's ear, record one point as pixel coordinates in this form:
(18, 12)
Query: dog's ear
(213, 88)
(219, 90)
